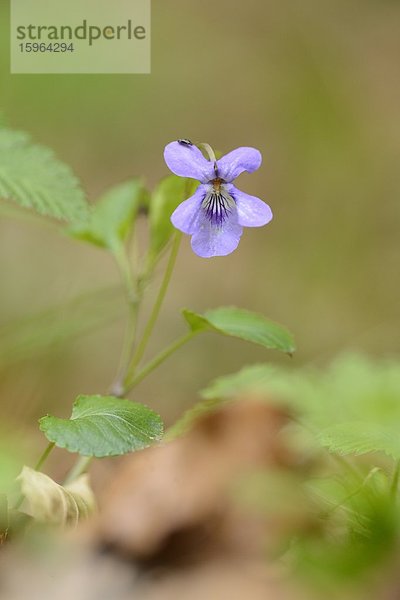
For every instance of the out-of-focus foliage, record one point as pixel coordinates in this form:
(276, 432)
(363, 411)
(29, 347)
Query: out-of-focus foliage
(352, 407)
(170, 192)
(113, 216)
(355, 534)
(335, 528)
(339, 519)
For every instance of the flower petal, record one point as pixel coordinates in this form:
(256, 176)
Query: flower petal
(237, 161)
(188, 161)
(252, 212)
(216, 240)
(185, 215)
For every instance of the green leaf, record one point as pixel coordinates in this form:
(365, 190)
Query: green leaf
(243, 324)
(113, 216)
(33, 177)
(104, 426)
(54, 504)
(170, 192)
(197, 322)
(359, 437)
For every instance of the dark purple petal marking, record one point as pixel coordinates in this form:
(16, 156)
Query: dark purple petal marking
(217, 205)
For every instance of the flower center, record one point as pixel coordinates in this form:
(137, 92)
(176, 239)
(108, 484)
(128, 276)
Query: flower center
(217, 203)
(217, 183)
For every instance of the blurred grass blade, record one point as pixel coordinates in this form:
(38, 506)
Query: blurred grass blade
(31, 336)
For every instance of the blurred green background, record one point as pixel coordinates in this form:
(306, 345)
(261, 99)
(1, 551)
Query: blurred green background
(315, 86)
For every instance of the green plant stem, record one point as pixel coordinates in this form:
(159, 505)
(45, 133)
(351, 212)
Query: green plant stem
(126, 373)
(122, 261)
(134, 296)
(138, 355)
(158, 359)
(44, 456)
(79, 467)
(395, 480)
(83, 462)
(37, 467)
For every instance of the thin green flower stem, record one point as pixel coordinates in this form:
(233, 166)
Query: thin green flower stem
(395, 480)
(37, 467)
(138, 355)
(117, 388)
(123, 263)
(79, 467)
(134, 295)
(44, 456)
(83, 463)
(158, 359)
(134, 290)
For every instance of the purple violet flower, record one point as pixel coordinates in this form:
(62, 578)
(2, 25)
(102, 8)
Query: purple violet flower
(217, 212)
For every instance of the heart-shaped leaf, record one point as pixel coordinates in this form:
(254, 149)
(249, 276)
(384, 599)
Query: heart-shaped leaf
(104, 426)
